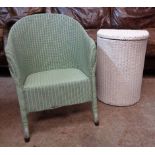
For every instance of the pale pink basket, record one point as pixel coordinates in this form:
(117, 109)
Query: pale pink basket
(120, 63)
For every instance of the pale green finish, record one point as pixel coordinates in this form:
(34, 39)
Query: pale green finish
(52, 61)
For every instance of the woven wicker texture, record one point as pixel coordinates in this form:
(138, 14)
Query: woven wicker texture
(119, 70)
(123, 34)
(52, 61)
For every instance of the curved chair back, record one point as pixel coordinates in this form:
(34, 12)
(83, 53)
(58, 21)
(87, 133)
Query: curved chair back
(46, 41)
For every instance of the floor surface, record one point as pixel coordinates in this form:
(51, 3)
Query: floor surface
(73, 126)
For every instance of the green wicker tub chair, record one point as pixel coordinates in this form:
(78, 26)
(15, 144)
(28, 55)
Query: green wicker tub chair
(52, 61)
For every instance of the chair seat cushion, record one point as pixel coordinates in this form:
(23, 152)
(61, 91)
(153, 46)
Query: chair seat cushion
(54, 88)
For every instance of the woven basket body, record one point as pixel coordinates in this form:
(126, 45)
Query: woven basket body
(120, 66)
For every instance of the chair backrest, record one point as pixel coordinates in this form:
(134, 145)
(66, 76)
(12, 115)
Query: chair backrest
(46, 41)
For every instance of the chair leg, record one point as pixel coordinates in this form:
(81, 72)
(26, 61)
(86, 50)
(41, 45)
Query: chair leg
(94, 102)
(26, 135)
(25, 126)
(95, 112)
(24, 114)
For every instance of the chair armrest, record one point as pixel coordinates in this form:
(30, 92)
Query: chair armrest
(92, 49)
(89, 66)
(13, 67)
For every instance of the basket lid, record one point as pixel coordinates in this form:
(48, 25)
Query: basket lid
(122, 34)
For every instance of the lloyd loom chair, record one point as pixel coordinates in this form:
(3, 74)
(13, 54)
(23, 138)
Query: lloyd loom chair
(52, 61)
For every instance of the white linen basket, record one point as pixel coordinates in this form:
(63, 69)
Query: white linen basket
(120, 63)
